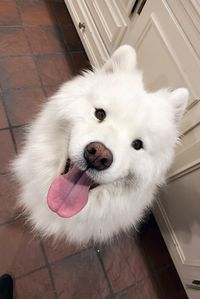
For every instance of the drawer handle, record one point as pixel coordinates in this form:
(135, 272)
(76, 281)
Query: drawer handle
(81, 25)
(194, 285)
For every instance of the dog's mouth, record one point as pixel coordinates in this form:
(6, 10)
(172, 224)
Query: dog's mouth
(68, 194)
(69, 165)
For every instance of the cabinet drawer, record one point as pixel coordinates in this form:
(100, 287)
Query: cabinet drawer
(89, 35)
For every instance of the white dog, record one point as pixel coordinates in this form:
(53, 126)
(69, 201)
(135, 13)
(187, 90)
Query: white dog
(98, 150)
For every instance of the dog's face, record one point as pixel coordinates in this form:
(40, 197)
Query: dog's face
(120, 132)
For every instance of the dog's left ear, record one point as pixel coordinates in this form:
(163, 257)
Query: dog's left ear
(123, 59)
(179, 100)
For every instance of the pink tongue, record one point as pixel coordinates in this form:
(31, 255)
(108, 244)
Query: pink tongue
(68, 194)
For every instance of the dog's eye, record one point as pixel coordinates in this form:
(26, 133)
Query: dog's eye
(100, 114)
(137, 144)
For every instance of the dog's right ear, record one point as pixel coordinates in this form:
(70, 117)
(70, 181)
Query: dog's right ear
(179, 99)
(123, 59)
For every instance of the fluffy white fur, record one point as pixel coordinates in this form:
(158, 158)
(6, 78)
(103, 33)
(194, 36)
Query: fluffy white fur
(67, 124)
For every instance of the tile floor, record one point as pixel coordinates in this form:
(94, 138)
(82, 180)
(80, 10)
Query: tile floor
(40, 49)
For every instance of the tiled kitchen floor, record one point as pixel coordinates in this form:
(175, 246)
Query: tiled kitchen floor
(40, 49)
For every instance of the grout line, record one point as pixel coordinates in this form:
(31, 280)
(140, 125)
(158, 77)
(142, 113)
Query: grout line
(32, 54)
(53, 26)
(132, 285)
(28, 26)
(10, 221)
(18, 126)
(19, 14)
(15, 127)
(9, 123)
(10, 126)
(7, 90)
(104, 271)
(29, 273)
(69, 256)
(3, 129)
(49, 270)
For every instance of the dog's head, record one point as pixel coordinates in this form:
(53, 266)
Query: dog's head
(119, 132)
(118, 129)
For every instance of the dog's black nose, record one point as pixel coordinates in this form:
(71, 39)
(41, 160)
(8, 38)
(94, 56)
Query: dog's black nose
(98, 156)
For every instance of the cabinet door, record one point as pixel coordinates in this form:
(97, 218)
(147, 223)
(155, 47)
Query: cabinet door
(169, 59)
(111, 20)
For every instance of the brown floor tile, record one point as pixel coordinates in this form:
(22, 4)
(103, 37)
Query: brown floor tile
(13, 42)
(3, 118)
(80, 276)
(56, 250)
(34, 286)
(20, 252)
(7, 151)
(71, 37)
(80, 62)
(143, 290)
(53, 69)
(50, 90)
(19, 135)
(153, 243)
(36, 12)
(8, 191)
(44, 40)
(170, 283)
(22, 105)
(124, 263)
(8, 13)
(18, 72)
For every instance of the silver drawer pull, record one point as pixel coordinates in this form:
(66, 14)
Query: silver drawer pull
(196, 282)
(194, 285)
(81, 25)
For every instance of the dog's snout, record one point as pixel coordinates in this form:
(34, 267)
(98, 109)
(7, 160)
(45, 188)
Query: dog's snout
(98, 156)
